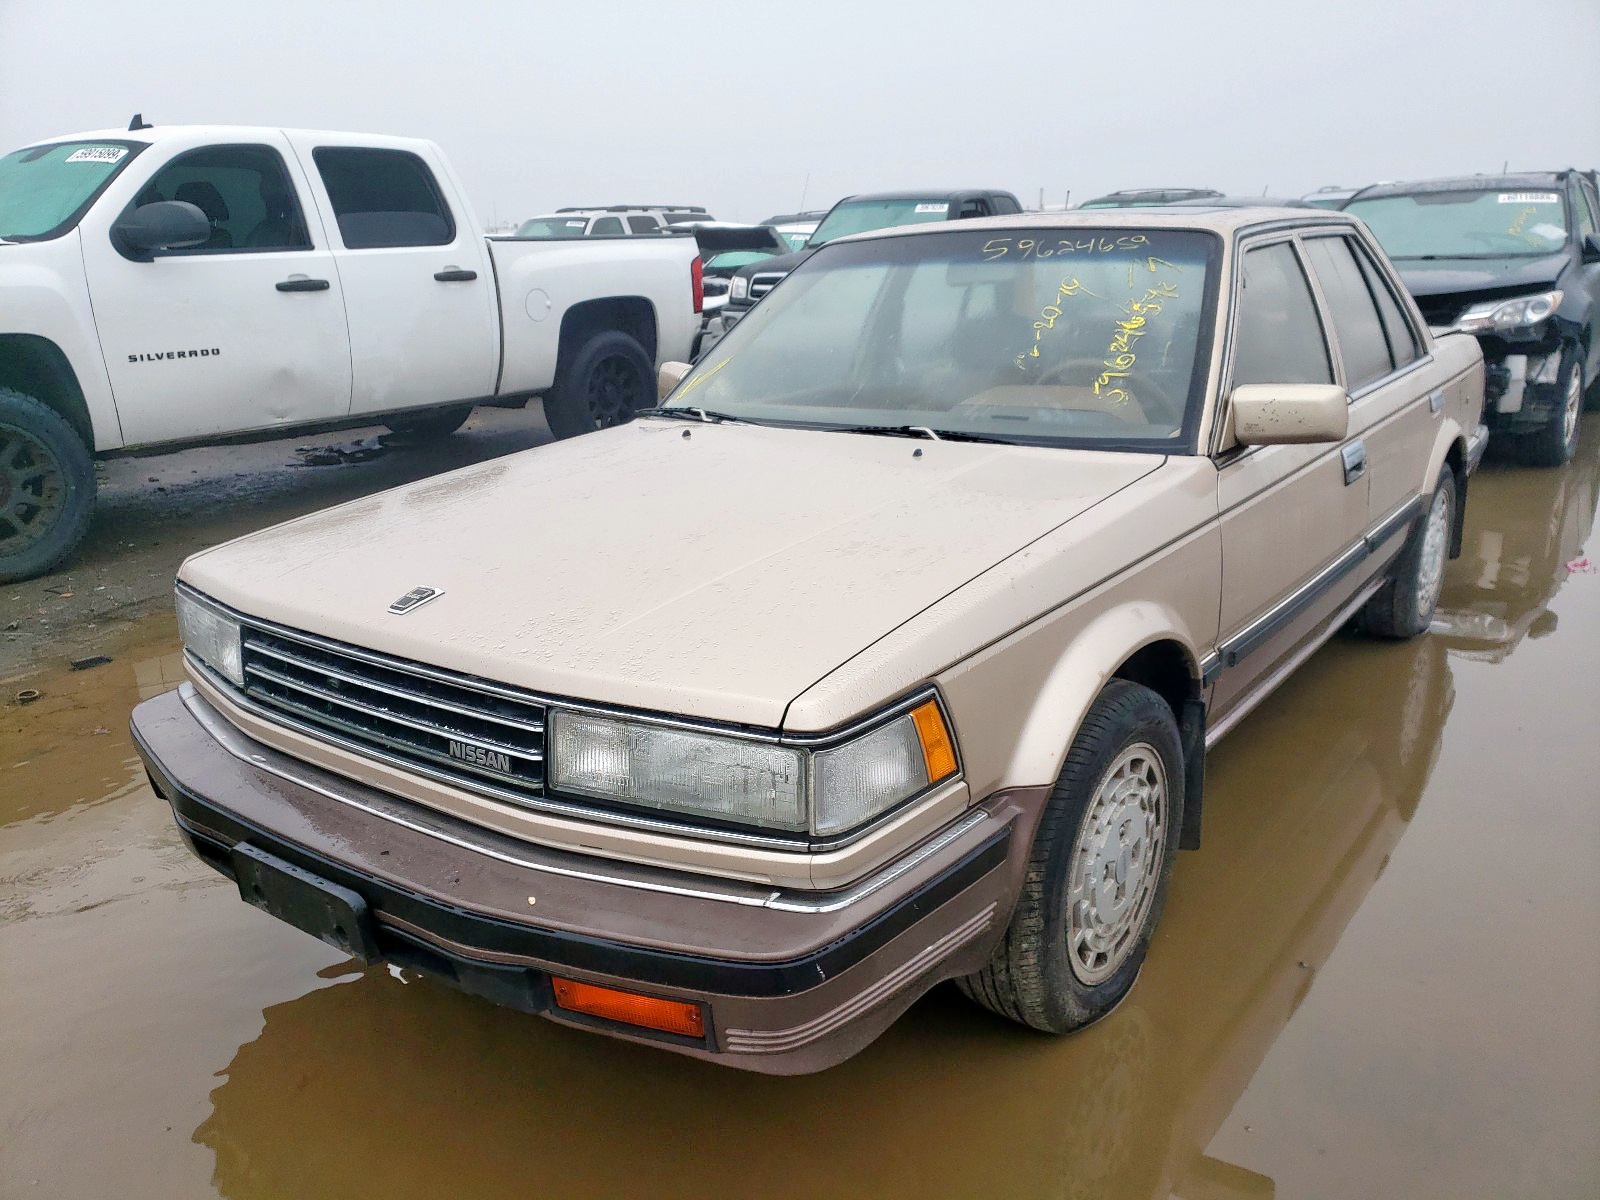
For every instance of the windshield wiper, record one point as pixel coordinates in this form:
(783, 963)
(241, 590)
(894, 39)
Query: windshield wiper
(923, 431)
(706, 415)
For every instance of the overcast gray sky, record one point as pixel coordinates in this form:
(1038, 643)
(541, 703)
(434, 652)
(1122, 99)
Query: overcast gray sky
(733, 104)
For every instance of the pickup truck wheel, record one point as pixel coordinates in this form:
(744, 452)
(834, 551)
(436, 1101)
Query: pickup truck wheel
(441, 422)
(1097, 876)
(1554, 444)
(46, 487)
(1403, 607)
(607, 381)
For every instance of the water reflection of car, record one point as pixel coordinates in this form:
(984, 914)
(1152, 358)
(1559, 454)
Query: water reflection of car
(1515, 260)
(1149, 197)
(1523, 532)
(358, 1082)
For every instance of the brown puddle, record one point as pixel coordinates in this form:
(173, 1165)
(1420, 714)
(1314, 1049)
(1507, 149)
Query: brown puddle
(1377, 979)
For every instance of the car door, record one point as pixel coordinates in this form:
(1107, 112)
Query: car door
(1292, 517)
(418, 288)
(242, 333)
(1394, 415)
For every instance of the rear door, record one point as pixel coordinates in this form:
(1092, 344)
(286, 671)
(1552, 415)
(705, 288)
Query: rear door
(418, 288)
(243, 333)
(1292, 516)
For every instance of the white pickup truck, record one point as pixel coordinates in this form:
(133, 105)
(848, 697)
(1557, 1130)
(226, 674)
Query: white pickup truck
(186, 285)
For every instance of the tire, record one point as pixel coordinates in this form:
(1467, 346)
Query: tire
(46, 487)
(1034, 978)
(608, 380)
(1554, 444)
(1403, 607)
(440, 422)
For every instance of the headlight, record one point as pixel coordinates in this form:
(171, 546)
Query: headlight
(1503, 316)
(211, 637)
(738, 287)
(764, 784)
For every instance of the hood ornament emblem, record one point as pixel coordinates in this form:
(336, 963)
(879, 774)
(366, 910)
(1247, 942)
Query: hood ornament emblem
(415, 598)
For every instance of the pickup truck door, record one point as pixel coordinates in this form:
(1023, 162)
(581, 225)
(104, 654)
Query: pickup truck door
(1292, 517)
(418, 286)
(242, 333)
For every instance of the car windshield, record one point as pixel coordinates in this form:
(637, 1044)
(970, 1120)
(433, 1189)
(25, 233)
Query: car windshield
(552, 227)
(731, 260)
(1471, 223)
(1070, 336)
(45, 189)
(865, 216)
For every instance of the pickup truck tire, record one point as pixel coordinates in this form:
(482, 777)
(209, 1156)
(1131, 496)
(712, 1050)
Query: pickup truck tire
(1097, 876)
(441, 422)
(608, 380)
(46, 487)
(1554, 444)
(1403, 607)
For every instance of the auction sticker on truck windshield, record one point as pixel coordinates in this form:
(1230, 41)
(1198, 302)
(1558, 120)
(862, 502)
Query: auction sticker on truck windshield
(98, 154)
(1529, 198)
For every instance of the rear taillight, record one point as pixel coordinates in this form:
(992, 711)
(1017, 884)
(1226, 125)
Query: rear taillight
(697, 283)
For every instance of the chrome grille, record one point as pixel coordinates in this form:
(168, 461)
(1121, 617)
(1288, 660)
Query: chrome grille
(761, 284)
(424, 717)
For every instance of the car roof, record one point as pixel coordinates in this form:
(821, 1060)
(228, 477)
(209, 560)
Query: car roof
(153, 134)
(1216, 220)
(1458, 183)
(922, 194)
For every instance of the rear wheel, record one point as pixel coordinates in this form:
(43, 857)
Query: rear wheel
(1554, 443)
(608, 380)
(1403, 607)
(46, 487)
(439, 422)
(1098, 873)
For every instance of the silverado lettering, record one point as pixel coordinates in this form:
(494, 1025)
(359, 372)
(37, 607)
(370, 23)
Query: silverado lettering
(133, 358)
(478, 756)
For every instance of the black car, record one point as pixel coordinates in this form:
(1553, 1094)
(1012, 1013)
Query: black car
(1149, 197)
(1514, 259)
(861, 214)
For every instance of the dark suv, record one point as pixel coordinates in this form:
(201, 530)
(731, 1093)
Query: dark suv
(1514, 259)
(861, 214)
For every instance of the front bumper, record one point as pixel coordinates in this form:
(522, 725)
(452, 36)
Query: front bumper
(788, 982)
(1522, 388)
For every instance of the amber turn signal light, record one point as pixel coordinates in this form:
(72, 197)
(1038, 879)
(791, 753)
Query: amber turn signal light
(648, 1012)
(938, 751)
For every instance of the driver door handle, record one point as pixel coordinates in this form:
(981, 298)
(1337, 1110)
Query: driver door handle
(299, 283)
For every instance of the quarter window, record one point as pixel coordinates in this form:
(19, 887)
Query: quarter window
(606, 225)
(1279, 335)
(244, 192)
(383, 198)
(1362, 344)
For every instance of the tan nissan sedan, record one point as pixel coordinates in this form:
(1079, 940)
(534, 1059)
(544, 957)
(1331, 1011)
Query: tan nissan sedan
(886, 652)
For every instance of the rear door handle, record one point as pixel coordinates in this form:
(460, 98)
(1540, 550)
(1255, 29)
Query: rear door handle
(1355, 461)
(299, 283)
(455, 275)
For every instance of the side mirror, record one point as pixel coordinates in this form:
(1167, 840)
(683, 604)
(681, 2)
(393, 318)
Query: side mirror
(1275, 414)
(163, 225)
(669, 377)
(1591, 248)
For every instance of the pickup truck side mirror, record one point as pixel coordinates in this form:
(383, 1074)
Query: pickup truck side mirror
(1275, 414)
(163, 225)
(670, 375)
(1591, 248)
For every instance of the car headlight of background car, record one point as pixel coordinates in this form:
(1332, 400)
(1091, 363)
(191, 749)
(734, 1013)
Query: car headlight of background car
(750, 782)
(738, 287)
(210, 636)
(1503, 316)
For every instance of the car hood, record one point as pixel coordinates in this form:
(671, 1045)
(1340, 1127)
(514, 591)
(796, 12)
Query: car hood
(712, 571)
(1463, 276)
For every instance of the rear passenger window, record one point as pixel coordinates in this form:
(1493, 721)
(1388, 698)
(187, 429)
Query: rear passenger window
(1279, 337)
(383, 198)
(1403, 345)
(1362, 343)
(642, 225)
(606, 225)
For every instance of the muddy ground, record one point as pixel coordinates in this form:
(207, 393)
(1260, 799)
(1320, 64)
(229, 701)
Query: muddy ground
(1379, 978)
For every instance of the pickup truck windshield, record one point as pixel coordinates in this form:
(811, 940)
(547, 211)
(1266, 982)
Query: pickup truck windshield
(865, 216)
(45, 189)
(1070, 336)
(1473, 223)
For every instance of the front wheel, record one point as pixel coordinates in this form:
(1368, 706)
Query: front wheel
(46, 487)
(1098, 873)
(608, 380)
(1403, 607)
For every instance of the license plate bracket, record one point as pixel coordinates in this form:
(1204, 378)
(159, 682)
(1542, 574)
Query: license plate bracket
(330, 913)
